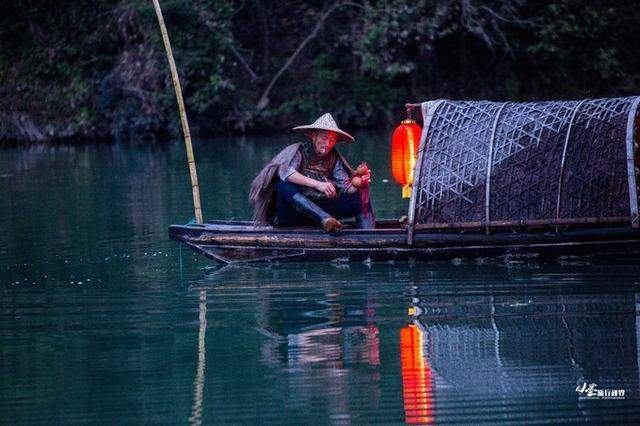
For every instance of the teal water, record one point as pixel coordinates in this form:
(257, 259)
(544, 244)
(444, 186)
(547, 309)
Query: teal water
(105, 320)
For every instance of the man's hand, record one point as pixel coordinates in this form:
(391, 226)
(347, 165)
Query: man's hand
(327, 189)
(366, 178)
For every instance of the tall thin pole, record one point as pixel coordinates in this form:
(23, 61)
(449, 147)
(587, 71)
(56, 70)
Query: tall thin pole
(183, 115)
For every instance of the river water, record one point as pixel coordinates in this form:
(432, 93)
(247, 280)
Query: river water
(103, 319)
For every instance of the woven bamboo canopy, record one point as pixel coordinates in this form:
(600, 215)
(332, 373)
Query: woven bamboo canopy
(491, 164)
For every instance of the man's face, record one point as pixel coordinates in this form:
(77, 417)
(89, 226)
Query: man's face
(323, 141)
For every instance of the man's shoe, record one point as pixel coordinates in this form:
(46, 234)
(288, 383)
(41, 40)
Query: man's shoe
(331, 225)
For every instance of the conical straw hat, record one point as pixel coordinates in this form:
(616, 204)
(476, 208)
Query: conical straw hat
(326, 122)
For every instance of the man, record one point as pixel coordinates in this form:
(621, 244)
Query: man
(311, 183)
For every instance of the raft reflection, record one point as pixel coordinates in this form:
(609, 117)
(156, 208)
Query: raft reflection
(534, 349)
(493, 343)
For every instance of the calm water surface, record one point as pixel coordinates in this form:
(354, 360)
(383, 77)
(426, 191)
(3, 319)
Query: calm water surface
(105, 320)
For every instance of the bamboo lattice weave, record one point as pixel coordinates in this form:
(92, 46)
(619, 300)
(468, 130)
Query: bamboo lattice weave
(493, 161)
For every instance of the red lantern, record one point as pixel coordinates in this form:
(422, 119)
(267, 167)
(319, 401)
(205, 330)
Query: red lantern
(404, 153)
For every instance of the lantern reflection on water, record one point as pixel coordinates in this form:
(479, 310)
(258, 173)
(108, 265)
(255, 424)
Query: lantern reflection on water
(416, 376)
(404, 153)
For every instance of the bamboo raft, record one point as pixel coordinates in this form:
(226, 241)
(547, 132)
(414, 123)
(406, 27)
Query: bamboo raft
(541, 179)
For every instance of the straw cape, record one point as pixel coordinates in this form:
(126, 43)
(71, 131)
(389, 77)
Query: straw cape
(262, 193)
(325, 122)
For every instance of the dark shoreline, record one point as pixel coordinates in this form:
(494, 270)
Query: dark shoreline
(155, 138)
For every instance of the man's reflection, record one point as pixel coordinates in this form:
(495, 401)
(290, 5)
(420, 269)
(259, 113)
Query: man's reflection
(330, 342)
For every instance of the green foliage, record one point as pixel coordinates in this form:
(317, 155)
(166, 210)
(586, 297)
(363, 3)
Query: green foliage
(573, 35)
(99, 67)
(392, 32)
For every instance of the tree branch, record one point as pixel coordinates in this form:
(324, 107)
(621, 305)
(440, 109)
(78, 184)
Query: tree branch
(208, 20)
(244, 63)
(264, 98)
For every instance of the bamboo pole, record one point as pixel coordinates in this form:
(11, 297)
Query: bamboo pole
(183, 115)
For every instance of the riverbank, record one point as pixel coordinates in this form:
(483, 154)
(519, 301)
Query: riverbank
(87, 70)
(35, 135)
